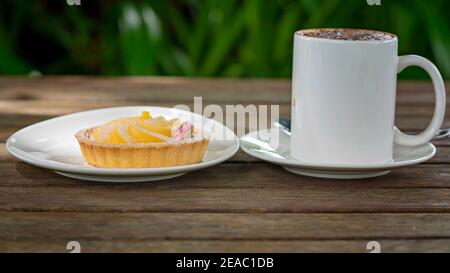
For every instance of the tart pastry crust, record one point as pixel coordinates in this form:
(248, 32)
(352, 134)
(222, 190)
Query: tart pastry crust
(140, 155)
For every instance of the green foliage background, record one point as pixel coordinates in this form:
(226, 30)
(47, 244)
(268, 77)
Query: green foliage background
(224, 38)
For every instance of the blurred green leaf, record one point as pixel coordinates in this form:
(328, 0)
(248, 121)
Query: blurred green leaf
(140, 37)
(439, 34)
(10, 63)
(232, 38)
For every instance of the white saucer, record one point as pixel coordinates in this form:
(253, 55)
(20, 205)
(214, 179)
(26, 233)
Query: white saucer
(51, 144)
(258, 145)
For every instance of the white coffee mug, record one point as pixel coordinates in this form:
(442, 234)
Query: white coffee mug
(343, 100)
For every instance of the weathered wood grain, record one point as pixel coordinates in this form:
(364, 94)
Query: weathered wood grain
(26, 101)
(243, 205)
(221, 226)
(253, 173)
(155, 89)
(141, 89)
(52, 107)
(234, 176)
(241, 246)
(223, 232)
(328, 198)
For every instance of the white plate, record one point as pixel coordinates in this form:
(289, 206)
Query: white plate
(51, 144)
(258, 145)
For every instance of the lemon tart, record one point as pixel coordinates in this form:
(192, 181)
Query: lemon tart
(142, 142)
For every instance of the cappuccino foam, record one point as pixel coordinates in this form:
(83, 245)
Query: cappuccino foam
(348, 34)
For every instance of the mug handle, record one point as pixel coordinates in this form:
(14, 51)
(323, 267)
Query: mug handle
(439, 106)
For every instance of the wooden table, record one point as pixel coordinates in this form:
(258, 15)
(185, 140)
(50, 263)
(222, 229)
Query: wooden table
(241, 205)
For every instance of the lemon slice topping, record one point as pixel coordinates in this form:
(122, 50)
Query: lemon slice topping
(138, 129)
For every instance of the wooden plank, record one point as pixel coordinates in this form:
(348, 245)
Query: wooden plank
(155, 89)
(51, 107)
(186, 246)
(140, 89)
(23, 226)
(319, 197)
(300, 213)
(235, 176)
(46, 109)
(23, 99)
(242, 246)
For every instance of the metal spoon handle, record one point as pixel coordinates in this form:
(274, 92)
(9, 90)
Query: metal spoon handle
(285, 125)
(442, 134)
